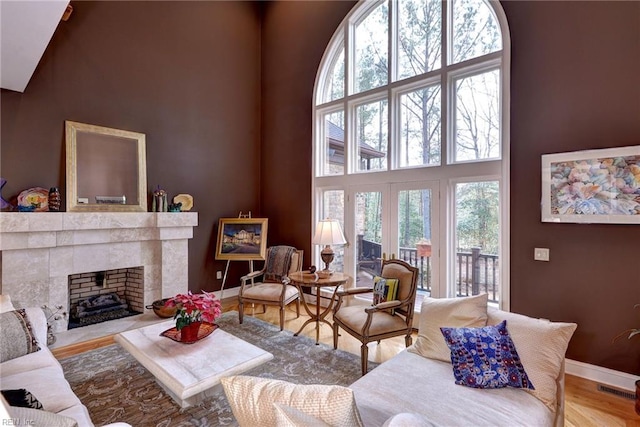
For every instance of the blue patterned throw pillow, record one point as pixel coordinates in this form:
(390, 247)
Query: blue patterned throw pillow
(485, 357)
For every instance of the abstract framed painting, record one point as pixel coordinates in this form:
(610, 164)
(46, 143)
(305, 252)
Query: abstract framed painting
(592, 186)
(242, 239)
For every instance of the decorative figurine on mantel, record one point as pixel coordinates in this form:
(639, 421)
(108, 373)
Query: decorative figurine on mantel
(54, 199)
(4, 205)
(159, 203)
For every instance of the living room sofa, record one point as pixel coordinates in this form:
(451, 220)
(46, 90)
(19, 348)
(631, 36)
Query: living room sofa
(516, 380)
(417, 387)
(41, 375)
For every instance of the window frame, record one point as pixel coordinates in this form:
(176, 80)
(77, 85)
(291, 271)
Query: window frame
(448, 172)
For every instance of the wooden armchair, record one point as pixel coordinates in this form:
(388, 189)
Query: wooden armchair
(274, 289)
(384, 320)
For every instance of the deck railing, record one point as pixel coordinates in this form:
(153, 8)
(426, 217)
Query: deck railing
(475, 272)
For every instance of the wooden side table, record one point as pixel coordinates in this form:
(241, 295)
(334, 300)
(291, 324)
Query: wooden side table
(302, 280)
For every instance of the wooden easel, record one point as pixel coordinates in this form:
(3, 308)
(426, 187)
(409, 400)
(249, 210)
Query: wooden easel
(226, 269)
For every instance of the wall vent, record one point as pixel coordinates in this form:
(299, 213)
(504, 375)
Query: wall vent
(620, 393)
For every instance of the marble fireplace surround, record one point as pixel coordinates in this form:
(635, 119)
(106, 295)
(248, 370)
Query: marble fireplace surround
(38, 251)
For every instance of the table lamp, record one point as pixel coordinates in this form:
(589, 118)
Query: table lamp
(328, 232)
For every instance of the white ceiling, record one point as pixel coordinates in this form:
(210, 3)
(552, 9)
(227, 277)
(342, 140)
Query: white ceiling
(26, 27)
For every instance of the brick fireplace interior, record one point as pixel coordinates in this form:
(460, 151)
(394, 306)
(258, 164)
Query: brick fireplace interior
(85, 308)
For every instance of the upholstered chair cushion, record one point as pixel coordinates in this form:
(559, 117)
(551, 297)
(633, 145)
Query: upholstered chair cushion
(436, 313)
(252, 401)
(542, 346)
(269, 291)
(354, 317)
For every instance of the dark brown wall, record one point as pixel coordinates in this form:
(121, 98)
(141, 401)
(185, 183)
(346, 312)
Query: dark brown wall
(294, 37)
(575, 85)
(187, 74)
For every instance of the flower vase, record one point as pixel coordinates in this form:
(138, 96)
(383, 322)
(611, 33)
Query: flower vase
(189, 333)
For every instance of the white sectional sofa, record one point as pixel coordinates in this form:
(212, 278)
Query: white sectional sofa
(416, 387)
(41, 375)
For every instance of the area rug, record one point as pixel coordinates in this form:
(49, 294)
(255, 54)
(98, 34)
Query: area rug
(115, 387)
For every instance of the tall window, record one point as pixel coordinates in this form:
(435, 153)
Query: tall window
(411, 142)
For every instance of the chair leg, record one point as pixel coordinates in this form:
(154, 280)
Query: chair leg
(364, 353)
(335, 336)
(281, 317)
(240, 312)
(298, 308)
(408, 340)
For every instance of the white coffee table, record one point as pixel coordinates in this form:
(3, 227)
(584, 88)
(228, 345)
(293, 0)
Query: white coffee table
(188, 372)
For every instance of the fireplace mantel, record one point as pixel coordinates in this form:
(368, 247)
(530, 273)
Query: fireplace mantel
(40, 250)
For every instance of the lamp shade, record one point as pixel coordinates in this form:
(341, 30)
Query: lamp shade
(329, 232)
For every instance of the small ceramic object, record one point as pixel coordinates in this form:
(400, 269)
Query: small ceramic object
(54, 199)
(186, 200)
(4, 205)
(36, 198)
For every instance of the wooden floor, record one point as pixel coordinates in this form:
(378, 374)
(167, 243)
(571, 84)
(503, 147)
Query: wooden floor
(585, 406)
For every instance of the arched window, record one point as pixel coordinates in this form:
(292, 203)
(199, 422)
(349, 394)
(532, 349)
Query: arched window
(411, 142)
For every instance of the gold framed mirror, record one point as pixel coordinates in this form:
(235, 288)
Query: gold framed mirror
(106, 169)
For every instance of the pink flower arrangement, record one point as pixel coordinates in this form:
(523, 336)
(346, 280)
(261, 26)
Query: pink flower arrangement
(195, 308)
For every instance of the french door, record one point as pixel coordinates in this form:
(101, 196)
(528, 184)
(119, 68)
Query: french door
(387, 220)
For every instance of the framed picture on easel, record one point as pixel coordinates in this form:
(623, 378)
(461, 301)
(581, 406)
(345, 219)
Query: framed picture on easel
(242, 239)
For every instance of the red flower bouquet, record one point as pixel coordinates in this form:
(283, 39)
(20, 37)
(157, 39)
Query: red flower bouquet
(195, 308)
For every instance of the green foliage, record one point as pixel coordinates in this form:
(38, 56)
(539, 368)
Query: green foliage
(477, 212)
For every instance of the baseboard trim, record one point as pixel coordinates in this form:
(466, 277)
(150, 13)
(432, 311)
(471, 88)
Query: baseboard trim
(601, 375)
(227, 293)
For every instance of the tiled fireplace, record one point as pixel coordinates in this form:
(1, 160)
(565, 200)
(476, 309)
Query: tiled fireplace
(40, 251)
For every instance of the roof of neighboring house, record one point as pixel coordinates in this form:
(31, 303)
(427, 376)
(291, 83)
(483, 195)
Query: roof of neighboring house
(336, 141)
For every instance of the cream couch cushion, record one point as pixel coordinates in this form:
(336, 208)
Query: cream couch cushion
(5, 303)
(39, 418)
(541, 346)
(408, 419)
(47, 384)
(436, 313)
(252, 401)
(411, 383)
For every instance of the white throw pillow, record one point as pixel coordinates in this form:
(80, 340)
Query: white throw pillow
(541, 346)
(252, 401)
(287, 416)
(436, 313)
(17, 337)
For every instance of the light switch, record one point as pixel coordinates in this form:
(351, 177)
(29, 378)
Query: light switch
(218, 275)
(541, 254)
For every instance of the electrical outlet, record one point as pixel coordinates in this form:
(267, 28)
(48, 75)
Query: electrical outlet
(541, 254)
(219, 275)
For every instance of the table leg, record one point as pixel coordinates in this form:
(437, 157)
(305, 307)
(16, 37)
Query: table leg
(312, 316)
(317, 317)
